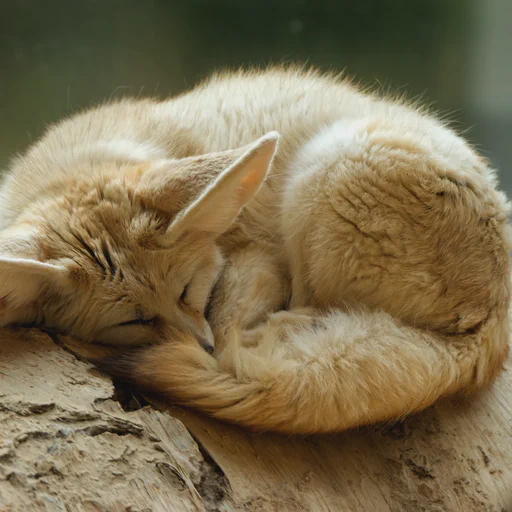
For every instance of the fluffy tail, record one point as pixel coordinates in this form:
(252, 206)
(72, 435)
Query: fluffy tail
(341, 372)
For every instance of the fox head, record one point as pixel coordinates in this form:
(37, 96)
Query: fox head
(124, 252)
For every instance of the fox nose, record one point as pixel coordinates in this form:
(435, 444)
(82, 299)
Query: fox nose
(206, 345)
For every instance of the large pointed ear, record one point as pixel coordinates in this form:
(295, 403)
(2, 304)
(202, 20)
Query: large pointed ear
(21, 279)
(220, 202)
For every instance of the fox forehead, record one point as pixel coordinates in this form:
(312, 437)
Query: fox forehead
(110, 218)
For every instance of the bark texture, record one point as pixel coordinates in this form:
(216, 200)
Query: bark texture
(71, 441)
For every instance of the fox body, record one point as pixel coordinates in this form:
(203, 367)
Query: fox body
(352, 269)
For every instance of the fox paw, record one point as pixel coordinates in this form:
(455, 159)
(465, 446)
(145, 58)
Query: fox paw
(279, 326)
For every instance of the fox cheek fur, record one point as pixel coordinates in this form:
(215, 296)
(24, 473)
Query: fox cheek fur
(378, 228)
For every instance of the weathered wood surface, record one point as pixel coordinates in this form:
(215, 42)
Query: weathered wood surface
(67, 444)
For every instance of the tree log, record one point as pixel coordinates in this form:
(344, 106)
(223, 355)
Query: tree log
(72, 441)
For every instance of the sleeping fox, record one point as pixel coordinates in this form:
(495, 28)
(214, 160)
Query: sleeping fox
(347, 254)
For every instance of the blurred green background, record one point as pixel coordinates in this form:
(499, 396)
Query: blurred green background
(58, 56)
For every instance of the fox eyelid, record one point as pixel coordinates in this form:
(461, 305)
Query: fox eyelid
(136, 321)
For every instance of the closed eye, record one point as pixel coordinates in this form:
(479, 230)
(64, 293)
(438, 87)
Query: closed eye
(137, 321)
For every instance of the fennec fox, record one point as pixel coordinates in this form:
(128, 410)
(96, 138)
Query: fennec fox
(355, 274)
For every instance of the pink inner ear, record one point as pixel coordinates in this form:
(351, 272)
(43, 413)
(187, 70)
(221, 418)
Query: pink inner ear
(248, 186)
(250, 181)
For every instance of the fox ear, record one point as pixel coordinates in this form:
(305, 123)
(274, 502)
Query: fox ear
(21, 281)
(219, 204)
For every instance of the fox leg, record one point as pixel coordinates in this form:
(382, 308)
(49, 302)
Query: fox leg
(280, 326)
(372, 217)
(252, 285)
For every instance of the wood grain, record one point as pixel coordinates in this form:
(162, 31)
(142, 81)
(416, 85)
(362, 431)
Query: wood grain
(67, 444)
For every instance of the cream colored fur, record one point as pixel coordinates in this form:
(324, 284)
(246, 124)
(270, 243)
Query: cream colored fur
(378, 228)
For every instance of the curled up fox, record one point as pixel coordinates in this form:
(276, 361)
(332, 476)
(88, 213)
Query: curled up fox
(347, 254)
